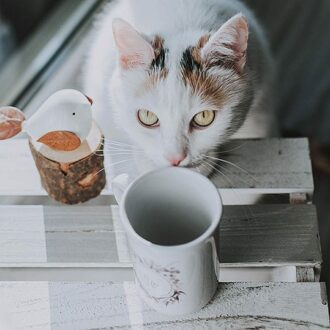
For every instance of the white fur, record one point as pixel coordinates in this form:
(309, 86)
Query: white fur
(116, 91)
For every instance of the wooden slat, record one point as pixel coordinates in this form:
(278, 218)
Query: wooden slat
(274, 166)
(80, 237)
(56, 305)
(289, 232)
(18, 173)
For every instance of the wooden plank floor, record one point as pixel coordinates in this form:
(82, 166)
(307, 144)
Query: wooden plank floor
(261, 167)
(67, 306)
(81, 237)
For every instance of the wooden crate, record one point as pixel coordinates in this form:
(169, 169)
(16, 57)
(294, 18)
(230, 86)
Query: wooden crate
(41, 240)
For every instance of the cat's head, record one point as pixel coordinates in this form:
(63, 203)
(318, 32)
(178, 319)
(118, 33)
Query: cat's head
(179, 96)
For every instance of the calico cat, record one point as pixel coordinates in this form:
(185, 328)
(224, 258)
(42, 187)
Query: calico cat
(180, 78)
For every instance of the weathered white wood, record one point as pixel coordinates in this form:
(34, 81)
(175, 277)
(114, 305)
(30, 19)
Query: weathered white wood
(270, 165)
(18, 173)
(274, 166)
(27, 300)
(82, 237)
(107, 305)
(22, 235)
(119, 272)
(290, 232)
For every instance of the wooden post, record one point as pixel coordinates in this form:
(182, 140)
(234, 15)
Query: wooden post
(72, 177)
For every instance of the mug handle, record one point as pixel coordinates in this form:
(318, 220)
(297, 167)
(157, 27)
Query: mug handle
(119, 185)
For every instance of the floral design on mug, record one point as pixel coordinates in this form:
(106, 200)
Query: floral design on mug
(161, 284)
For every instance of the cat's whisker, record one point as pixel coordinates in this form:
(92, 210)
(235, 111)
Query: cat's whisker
(122, 150)
(115, 154)
(118, 143)
(247, 210)
(103, 153)
(217, 170)
(118, 154)
(229, 150)
(109, 141)
(120, 162)
(98, 155)
(234, 165)
(95, 174)
(106, 146)
(229, 173)
(103, 169)
(115, 141)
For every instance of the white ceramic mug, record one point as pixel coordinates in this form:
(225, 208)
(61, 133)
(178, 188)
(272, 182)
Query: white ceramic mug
(171, 217)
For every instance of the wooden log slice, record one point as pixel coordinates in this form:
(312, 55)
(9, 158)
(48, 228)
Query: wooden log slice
(75, 176)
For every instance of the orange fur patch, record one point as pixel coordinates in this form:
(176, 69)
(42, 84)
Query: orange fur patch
(196, 51)
(207, 87)
(195, 76)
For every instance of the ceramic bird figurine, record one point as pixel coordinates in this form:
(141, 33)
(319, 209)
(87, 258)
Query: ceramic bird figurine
(62, 122)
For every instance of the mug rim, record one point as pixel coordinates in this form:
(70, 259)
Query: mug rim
(215, 220)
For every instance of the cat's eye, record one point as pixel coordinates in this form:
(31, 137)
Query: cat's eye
(147, 118)
(203, 119)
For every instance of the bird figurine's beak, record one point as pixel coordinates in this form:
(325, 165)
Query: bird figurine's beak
(90, 100)
(61, 140)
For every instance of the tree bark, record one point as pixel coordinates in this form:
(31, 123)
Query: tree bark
(72, 182)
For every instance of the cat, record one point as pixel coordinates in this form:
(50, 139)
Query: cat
(179, 78)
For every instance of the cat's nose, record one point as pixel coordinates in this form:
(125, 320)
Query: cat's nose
(176, 161)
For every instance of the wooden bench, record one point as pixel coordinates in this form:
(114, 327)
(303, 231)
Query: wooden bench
(274, 241)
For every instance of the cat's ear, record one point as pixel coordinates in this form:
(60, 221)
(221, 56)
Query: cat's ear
(228, 44)
(134, 50)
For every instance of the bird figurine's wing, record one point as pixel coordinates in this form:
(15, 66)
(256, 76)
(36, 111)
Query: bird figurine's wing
(61, 140)
(11, 120)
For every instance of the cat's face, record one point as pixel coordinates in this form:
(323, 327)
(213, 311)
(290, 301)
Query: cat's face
(179, 98)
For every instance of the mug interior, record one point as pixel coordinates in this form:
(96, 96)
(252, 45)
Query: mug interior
(172, 206)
